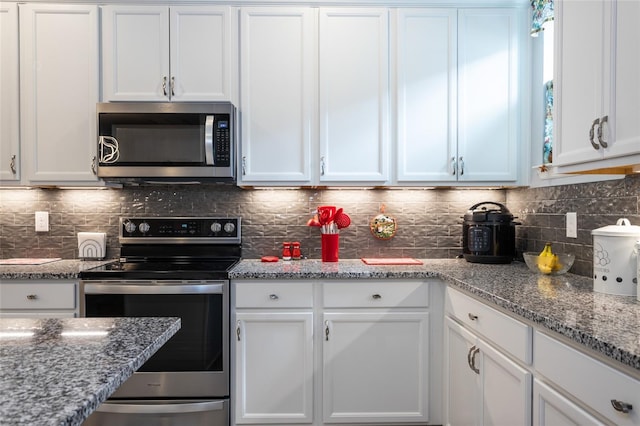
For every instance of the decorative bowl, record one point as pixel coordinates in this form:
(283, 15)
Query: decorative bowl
(565, 262)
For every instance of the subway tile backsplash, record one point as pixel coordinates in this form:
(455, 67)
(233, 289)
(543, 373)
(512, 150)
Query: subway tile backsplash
(429, 220)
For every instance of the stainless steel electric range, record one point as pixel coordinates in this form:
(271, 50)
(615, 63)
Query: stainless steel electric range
(171, 266)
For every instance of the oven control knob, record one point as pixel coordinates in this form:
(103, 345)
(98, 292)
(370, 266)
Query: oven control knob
(144, 227)
(216, 227)
(229, 227)
(130, 227)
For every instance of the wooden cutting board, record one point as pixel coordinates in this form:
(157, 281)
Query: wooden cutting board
(391, 261)
(28, 261)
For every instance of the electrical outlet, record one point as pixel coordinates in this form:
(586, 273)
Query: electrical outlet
(42, 221)
(572, 225)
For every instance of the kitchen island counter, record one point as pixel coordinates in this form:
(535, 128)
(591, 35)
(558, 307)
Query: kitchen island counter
(566, 305)
(58, 371)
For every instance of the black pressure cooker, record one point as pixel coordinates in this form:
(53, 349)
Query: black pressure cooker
(489, 234)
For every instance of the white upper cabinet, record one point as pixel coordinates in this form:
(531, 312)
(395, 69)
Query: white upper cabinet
(598, 91)
(490, 94)
(459, 92)
(353, 94)
(160, 53)
(9, 119)
(58, 92)
(278, 70)
(426, 89)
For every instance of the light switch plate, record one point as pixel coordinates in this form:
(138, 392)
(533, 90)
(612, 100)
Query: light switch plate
(572, 225)
(42, 221)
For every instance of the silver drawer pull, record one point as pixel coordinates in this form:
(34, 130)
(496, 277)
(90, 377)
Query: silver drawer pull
(472, 317)
(620, 406)
(273, 297)
(32, 296)
(376, 296)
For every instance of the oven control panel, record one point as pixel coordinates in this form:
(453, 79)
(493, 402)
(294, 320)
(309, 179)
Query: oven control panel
(192, 230)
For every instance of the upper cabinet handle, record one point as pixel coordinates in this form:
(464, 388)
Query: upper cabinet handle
(321, 166)
(173, 85)
(454, 165)
(472, 317)
(592, 133)
(12, 164)
(164, 85)
(93, 165)
(461, 165)
(603, 120)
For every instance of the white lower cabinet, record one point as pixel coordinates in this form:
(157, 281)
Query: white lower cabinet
(274, 360)
(39, 298)
(347, 352)
(609, 395)
(483, 385)
(550, 408)
(375, 367)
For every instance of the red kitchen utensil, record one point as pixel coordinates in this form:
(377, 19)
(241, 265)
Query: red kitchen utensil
(314, 221)
(342, 220)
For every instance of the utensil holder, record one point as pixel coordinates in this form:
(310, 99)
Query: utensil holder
(330, 246)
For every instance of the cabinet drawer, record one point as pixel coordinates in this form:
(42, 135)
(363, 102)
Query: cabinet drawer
(376, 294)
(274, 294)
(510, 334)
(589, 380)
(38, 296)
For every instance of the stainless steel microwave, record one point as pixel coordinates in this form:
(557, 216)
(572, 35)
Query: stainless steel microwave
(166, 142)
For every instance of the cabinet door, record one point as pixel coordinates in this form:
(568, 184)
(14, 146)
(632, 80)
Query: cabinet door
(135, 53)
(9, 121)
(462, 392)
(489, 99)
(197, 73)
(505, 386)
(550, 408)
(375, 367)
(354, 85)
(274, 367)
(426, 137)
(59, 91)
(278, 100)
(579, 76)
(625, 107)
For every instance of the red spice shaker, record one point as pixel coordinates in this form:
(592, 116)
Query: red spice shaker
(295, 253)
(286, 250)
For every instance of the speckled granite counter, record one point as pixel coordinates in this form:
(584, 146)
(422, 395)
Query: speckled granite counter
(60, 270)
(564, 304)
(54, 372)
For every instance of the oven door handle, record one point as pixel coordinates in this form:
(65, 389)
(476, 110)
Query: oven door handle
(105, 287)
(165, 408)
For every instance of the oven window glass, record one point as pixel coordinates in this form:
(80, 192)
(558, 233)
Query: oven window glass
(197, 346)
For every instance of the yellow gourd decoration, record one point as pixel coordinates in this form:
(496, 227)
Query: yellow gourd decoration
(547, 261)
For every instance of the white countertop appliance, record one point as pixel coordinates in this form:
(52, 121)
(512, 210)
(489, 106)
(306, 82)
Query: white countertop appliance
(615, 269)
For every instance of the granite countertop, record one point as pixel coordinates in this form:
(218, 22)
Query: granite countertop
(565, 304)
(60, 270)
(57, 371)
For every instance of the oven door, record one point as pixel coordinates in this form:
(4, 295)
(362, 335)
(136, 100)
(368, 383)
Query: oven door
(195, 361)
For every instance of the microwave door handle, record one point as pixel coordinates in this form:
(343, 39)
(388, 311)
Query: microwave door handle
(208, 140)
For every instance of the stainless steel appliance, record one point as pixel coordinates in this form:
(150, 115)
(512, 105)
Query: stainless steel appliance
(489, 234)
(165, 141)
(171, 267)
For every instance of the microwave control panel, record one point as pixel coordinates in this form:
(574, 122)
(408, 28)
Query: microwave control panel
(222, 140)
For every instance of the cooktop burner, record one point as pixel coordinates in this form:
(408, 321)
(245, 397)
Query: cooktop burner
(181, 248)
